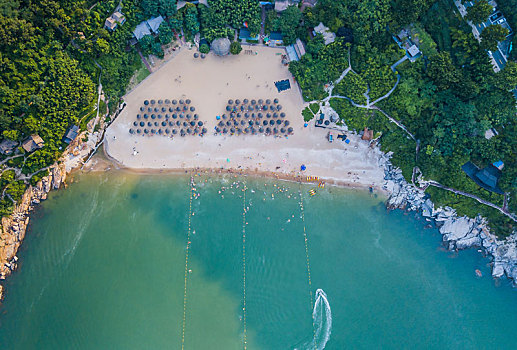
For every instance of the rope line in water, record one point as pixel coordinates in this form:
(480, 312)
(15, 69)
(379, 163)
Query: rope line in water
(245, 341)
(305, 237)
(186, 265)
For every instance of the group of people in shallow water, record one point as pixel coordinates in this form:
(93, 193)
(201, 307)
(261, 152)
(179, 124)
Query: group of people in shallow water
(255, 117)
(168, 118)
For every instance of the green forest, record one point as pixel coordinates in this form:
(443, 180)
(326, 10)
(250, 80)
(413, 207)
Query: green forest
(54, 53)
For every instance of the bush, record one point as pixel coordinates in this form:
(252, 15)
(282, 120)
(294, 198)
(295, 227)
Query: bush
(204, 48)
(307, 114)
(235, 48)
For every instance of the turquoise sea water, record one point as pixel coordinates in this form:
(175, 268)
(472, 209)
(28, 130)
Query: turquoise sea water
(103, 267)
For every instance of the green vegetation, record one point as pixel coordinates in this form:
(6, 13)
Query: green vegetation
(235, 48)
(287, 23)
(491, 35)
(307, 114)
(448, 98)
(479, 12)
(314, 107)
(204, 48)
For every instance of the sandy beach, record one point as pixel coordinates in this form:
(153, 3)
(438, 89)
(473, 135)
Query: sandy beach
(209, 83)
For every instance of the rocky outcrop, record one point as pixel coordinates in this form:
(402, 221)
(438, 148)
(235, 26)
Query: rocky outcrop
(14, 227)
(458, 232)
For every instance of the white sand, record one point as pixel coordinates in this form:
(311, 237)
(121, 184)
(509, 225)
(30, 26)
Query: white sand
(209, 83)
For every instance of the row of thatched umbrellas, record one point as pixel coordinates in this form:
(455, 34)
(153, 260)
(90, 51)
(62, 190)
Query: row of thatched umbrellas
(167, 116)
(234, 115)
(254, 130)
(169, 123)
(168, 131)
(271, 122)
(251, 108)
(167, 102)
(165, 109)
(253, 102)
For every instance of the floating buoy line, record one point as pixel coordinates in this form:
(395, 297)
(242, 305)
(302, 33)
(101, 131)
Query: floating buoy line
(192, 190)
(245, 340)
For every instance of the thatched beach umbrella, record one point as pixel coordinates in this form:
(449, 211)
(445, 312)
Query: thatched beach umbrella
(174, 131)
(282, 115)
(135, 123)
(167, 117)
(189, 131)
(238, 115)
(228, 108)
(275, 100)
(278, 122)
(260, 101)
(196, 117)
(264, 122)
(272, 108)
(159, 116)
(131, 131)
(174, 116)
(290, 130)
(271, 122)
(204, 131)
(237, 102)
(221, 123)
(192, 108)
(149, 124)
(252, 115)
(228, 123)
(232, 130)
(149, 109)
(224, 116)
(246, 115)
(327, 122)
(259, 115)
(185, 124)
(178, 109)
(167, 101)
(245, 100)
(253, 102)
(185, 108)
(153, 116)
(172, 123)
(182, 101)
(156, 109)
(279, 107)
(230, 102)
(286, 123)
(275, 115)
(250, 122)
(160, 131)
(164, 123)
(178, 123)
(146, 116)
(155, 123)
(138, 131)
(164, 109)
(268, 130)
(167, 131)
(187, 101)
(182, 132)
(142, 124)
(192, 123)
(181, 115)
(171, 109)
(268, 115)
(174, 102)
(225, 130)
(160, 102)
(257, 122)
(153, 131)
(142, 109)
(203, 56)
(268, 101)
(217, 129)
(261, 130)
(200, 123)
(187, 116)
(146, 102)
(282, 130)
(275, 131)
(196, 55)
(153, 102)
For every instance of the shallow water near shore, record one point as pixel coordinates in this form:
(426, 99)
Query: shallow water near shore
(103, 267)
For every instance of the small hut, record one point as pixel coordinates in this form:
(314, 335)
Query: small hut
(221, 46)
(33, 143)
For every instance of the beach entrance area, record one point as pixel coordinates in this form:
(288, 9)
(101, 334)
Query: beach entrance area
(208, 84)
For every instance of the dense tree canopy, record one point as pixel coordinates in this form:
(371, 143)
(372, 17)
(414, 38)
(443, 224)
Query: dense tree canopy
(479, 12)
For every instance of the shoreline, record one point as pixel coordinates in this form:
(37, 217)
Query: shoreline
(290, 177)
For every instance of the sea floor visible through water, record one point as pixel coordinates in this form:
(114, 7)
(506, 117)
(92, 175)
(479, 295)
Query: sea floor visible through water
(104, 264)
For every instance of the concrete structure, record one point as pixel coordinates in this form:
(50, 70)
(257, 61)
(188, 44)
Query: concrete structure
(33, 143)
(328, 36)
(221, 46)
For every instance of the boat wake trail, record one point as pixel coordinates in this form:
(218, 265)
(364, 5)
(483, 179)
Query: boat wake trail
(322, 323)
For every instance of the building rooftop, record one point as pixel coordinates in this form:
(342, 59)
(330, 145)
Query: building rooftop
(486, 177)
(32, 143)
(328, 36)
(71, 134)
(154, 23)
